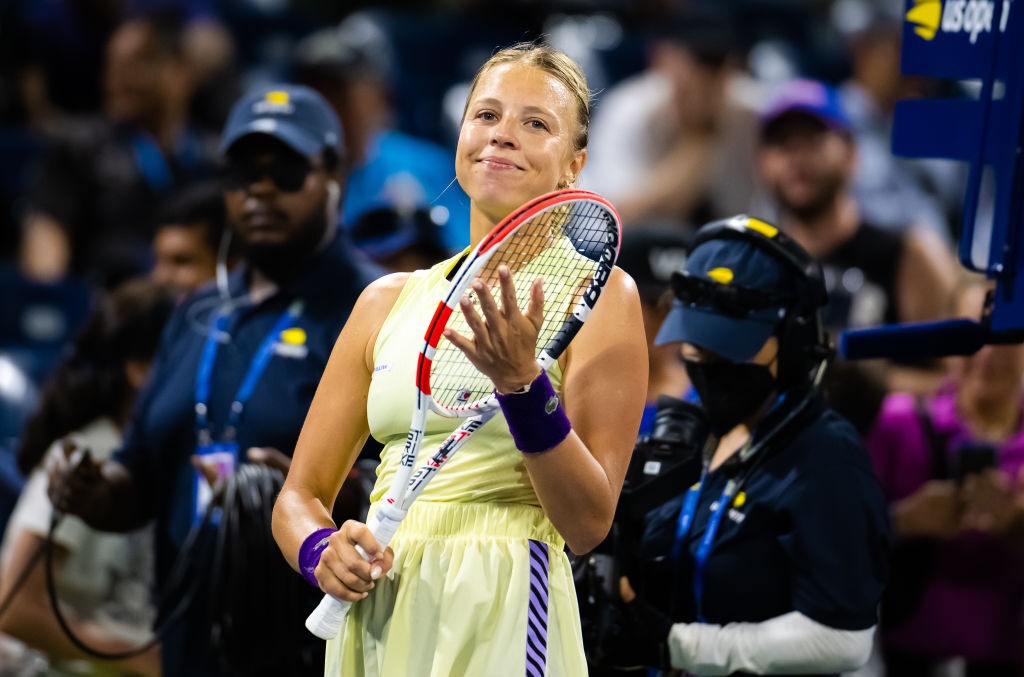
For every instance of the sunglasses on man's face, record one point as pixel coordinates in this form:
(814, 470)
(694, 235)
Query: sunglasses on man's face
(287, 172)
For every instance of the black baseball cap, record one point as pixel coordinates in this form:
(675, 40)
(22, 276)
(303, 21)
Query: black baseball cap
(725, 267)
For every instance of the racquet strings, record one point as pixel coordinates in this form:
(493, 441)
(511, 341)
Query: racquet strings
(561, 246)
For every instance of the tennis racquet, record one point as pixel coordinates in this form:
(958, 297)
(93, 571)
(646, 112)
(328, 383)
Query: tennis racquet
(569, 239)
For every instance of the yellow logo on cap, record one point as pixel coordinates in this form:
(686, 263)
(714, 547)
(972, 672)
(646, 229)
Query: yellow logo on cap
(741, 498)
(765, 229)
(722, 275)
(296, 336)
(275, 102)
(277, 98)
(925, 15)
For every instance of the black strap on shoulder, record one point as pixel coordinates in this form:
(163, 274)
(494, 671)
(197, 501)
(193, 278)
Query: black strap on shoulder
(455, 266)
(936, 442)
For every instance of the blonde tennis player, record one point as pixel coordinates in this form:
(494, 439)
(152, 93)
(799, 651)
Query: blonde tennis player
(476, 581)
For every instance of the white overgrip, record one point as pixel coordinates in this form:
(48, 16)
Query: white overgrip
(327, 618)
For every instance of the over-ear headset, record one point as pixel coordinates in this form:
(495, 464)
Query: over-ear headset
(803, 342)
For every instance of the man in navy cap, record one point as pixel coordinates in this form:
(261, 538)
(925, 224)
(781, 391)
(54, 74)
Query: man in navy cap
(775, 561)
(234, 376)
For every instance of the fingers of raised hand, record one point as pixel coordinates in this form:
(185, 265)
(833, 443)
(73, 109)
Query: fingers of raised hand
(509, 303)
(504, 325)
(464, 344)
(476, 324)
(491, 335)
(535, 309)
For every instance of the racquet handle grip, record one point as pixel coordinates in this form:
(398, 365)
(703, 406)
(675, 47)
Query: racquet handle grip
(329, 615)
(327, 618)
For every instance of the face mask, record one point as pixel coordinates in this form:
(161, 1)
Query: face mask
(730, 392)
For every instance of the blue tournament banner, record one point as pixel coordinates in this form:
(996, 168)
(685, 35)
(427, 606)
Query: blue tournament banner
(953, 38)
(981, 40)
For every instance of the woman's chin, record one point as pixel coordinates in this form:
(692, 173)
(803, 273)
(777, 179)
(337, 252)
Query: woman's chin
(497, 206)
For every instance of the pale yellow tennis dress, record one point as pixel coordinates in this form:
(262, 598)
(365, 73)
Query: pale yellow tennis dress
(481, 584)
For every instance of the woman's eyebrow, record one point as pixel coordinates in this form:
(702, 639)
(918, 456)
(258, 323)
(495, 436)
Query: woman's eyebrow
(528, 110)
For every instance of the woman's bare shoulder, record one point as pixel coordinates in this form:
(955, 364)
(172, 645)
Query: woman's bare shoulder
(619, 290)
(616, 319)
(380, 295)
(390, 285)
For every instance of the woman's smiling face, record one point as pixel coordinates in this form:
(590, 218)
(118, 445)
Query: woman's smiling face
(517, 138)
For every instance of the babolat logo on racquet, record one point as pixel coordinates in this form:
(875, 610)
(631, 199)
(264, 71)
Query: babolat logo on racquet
(604, 270)
(434, 463)
(412, 443)
(570, 241)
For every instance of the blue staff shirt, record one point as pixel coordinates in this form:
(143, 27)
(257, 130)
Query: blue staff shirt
(162, 437)
(807, 531)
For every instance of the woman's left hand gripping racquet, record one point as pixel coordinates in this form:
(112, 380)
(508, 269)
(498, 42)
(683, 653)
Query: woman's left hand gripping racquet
(570, 240)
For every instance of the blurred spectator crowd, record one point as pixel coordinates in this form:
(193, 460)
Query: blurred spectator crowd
(110, 111)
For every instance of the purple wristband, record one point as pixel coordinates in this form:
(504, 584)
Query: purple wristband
(310, 551)
(535, 418)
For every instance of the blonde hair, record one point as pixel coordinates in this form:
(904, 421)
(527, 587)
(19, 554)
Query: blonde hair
(556, 64)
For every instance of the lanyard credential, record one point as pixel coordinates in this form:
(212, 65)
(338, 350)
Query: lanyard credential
(686, 515)
(259, 363)
(750, 455)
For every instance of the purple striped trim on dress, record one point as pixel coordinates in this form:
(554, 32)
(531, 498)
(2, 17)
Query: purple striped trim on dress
(537, 612)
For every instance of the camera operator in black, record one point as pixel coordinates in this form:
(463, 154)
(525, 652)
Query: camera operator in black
(775, 560)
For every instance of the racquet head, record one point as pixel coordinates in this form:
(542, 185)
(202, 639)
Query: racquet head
(570, 240)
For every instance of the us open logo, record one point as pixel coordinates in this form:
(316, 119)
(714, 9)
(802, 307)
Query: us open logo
(972, 17)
